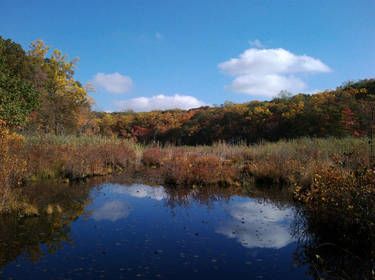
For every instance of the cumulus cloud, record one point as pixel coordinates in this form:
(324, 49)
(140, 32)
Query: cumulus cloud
(265, 72)
(256, 43)
(160, 102)
(257, 225)
(113, 83)
(265, 85)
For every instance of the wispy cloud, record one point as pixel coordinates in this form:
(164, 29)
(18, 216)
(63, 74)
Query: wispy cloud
(265, 72)
(159, 102)
(256, 43)
(113, 83)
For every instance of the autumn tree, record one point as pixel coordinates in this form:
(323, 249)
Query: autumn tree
(65, 102)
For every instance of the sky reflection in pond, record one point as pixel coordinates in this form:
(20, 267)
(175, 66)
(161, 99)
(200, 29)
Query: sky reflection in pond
(259, 224)
(144, 232)
(112, 211)
(141, 191)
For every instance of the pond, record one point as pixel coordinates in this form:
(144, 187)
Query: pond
(135, 231)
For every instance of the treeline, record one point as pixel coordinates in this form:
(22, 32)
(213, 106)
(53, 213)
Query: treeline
(341, 112)
(38, 93)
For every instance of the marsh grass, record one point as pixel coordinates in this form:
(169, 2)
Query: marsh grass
(33, 158)
(75, 160)
(89, 140)
(285, 162)
(288, 164)
(331, 178)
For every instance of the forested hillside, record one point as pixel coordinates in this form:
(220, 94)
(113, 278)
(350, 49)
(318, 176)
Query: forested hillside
(341, 112)
(38, 93)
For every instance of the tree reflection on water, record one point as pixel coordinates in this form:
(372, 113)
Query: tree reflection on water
(332, 250)
(58, 206)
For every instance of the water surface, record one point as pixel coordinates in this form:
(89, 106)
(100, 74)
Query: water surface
(118, 231)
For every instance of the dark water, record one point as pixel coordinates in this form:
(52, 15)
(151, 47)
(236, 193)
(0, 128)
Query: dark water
(118, 231)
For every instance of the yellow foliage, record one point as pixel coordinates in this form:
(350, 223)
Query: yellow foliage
(341, 193)
(294, 109)
(259, 113)
(13, 165)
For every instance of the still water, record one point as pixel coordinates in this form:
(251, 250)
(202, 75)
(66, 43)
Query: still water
(136, 231)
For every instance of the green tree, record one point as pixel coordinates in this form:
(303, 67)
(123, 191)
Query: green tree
(18, 96)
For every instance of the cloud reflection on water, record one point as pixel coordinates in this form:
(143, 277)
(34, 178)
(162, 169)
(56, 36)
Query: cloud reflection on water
(258, 225)
(141, 191)
(112, 211)
(253, 224)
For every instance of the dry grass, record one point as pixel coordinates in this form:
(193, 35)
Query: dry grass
(293, 163)
(283, 162)
(333, 178)
(55, 160)
(182, 166)
(53, 157)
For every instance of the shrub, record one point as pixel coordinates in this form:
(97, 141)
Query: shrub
(13, 165)
(340, 194)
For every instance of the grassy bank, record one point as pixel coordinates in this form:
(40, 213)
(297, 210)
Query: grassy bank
(78, 157)
(328, 176)
(281, 163)
(34, 158)
(332, 178)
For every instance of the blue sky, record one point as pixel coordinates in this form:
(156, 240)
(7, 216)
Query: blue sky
(151, 54)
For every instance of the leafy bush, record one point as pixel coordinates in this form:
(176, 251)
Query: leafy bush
(13, 165)
(342, 194)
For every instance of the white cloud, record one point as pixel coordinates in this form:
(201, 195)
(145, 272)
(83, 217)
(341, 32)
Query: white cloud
(113, 83)
(158, 35)
(265, 85)
(265, 72)
(159, 102)
(256, 43)
(272, 61)
(259, 225)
